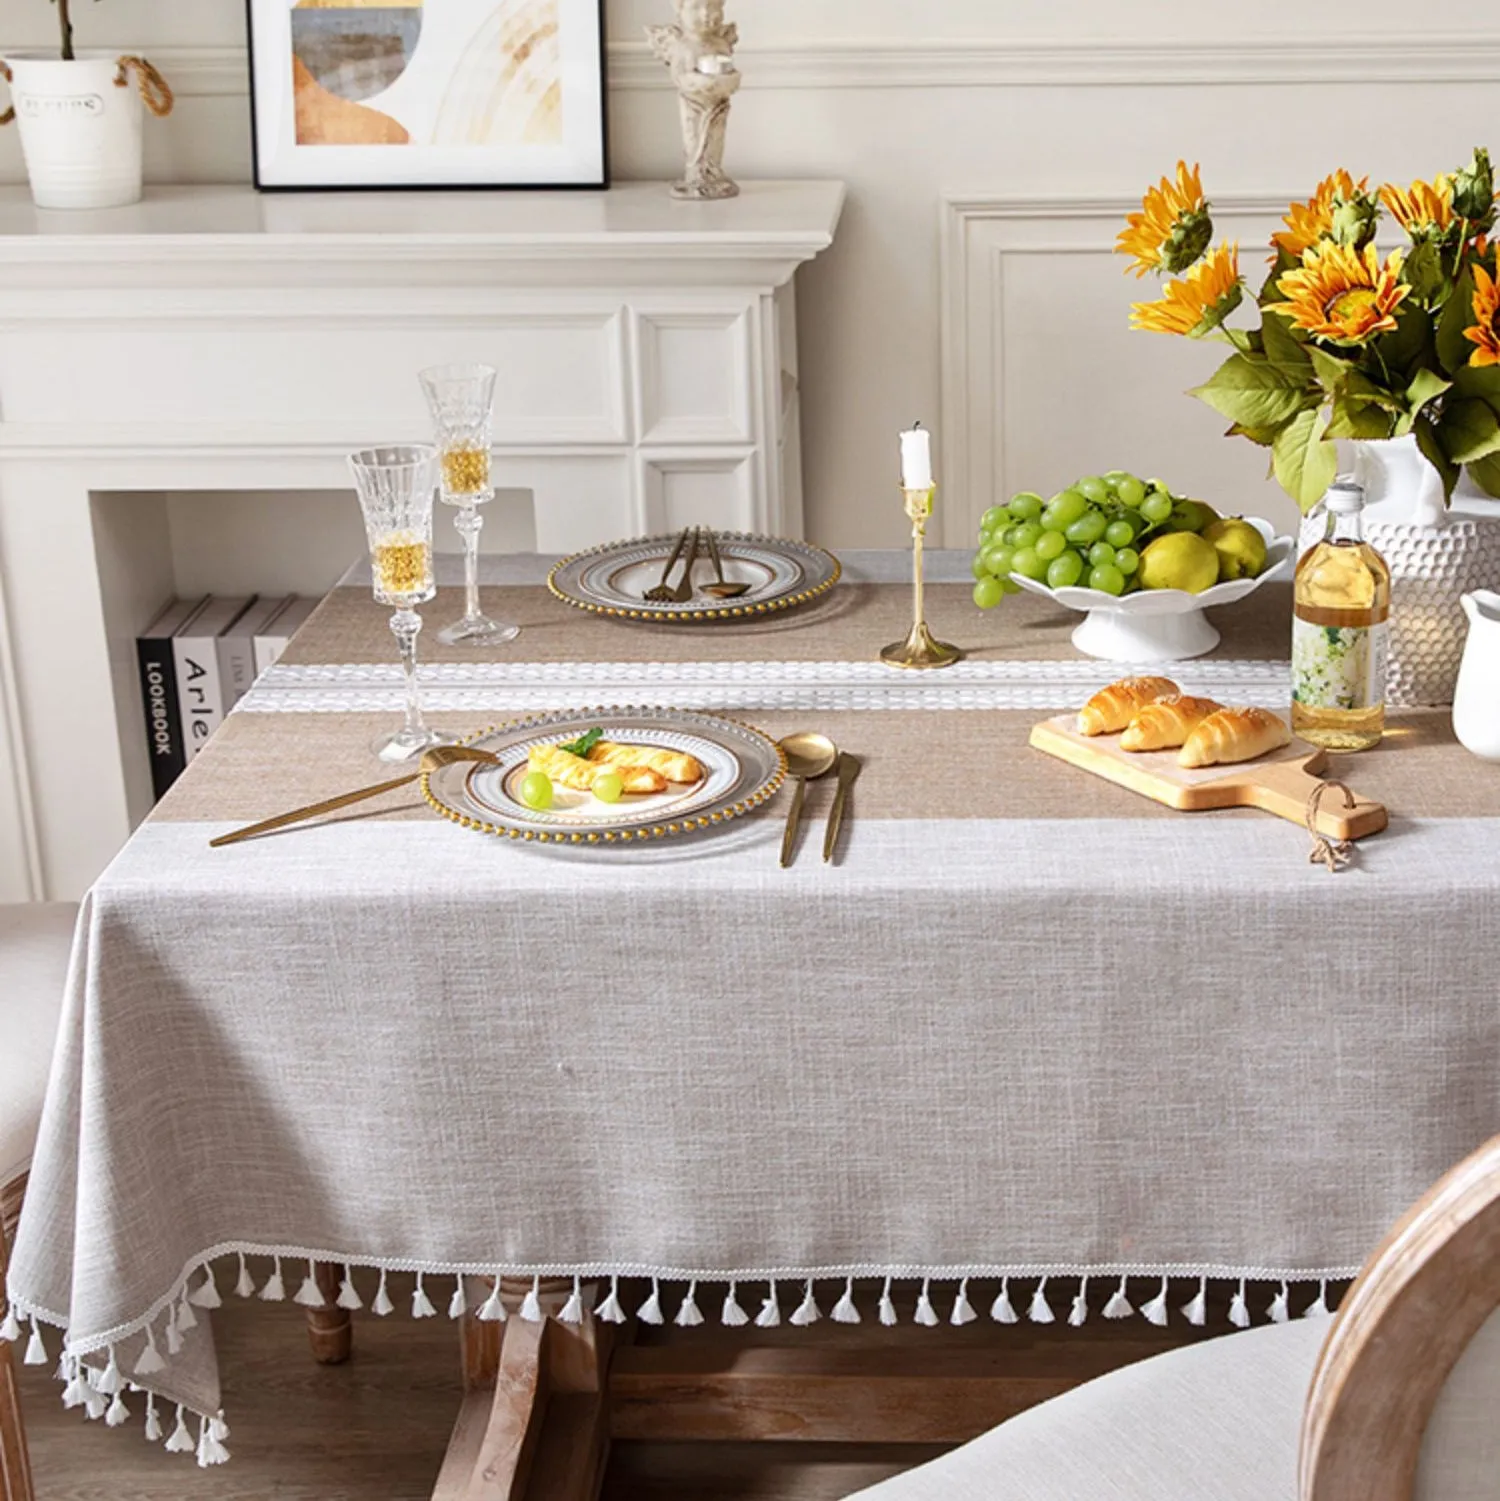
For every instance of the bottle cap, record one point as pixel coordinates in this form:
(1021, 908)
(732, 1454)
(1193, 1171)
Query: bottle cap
(1345, 496)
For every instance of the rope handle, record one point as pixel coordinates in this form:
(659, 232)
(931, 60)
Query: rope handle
(1324, 851)
(155, 90)
(10, 112)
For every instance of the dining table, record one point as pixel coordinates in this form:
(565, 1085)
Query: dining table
(1028, 1046)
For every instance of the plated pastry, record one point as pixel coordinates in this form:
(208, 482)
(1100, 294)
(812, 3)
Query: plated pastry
(1166, 724)
(1112, 708)
(1232, 736)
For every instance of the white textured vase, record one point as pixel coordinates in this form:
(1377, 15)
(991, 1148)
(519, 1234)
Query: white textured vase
(1436, 556)
(80, 130)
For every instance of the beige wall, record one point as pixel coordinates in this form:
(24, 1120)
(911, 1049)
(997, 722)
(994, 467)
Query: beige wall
(1026, 101)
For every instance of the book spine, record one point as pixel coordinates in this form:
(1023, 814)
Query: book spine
(236, 667)
(267, 650)
(200, 697)
(159, 698)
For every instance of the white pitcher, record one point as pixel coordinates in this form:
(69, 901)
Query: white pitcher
(1476, 704)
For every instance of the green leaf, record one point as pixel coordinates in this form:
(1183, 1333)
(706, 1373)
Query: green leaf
(1353, 418)
(1264, 436)
(1425, 386)
(1480, 381)
(1453, 349)
(1253, 392)
(1305, 463)
(1468, 431)
(1246, 340)
(1486, 474)
(1362, 389)
(1432, 449)
(1404, 345)
(585, 743)
(1329, 368)
(1282, 347)
(1423, 272)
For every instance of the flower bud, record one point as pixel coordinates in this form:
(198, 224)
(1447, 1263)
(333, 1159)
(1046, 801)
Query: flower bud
(1474, 191)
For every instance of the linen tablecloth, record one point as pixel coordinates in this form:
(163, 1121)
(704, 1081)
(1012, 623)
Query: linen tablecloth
(1029, 1026)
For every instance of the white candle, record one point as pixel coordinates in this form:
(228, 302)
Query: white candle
(712, 63)
(916, 459)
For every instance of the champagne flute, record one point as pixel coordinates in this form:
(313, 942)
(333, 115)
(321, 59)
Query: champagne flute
(461, 399)
(395, 485)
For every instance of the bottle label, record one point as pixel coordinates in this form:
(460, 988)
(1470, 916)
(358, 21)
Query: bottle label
(1339, 666)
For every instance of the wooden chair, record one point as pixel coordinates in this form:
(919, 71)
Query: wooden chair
(35, 940)
(1393, 1399)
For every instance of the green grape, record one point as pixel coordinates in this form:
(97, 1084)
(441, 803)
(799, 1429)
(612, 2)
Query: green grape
(988, 593)
(1010, 586)
(1050, 545)
(1127, 560)
(536, 790)
(979, 568)
(1108, 578)
(1067, 506)
(1064, 572)
(1028, 565)
(1011, 535)
(1087, 529)
(1119, 534)
(1027, 534)
(1130, 491)
(995, 516)
(1116, 475)
(1093, 489)
(609, 786)
(1101, 555)
(1026, 506)
(1156, 508)
(998, 560)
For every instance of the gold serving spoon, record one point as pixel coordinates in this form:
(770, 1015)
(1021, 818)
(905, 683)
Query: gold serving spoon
(808, 756)
(432, 760)
(722, 589)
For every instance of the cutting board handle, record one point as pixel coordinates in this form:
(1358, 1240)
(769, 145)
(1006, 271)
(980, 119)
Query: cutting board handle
(1284, 788)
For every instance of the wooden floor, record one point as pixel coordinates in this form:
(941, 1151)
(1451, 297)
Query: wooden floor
(376, 1428)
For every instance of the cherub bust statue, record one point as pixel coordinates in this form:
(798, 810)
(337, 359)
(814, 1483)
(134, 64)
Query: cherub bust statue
(699, 50)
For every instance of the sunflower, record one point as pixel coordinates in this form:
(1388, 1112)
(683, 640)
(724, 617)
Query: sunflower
(1342, 294)
(1424, 210)
(1198, 304)
(1486, 331)
(1173, 228)
(1338, 195)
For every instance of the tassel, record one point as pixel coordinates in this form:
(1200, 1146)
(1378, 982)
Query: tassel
(807, 1311)
(1196, 1311)
(1155, 1312)
(210, 1450)
(76, 1390)
(310, 1295)
(1040, 1311)
(94, 1405)
(150, 1358)
(1239, 1311)
(348, 1293)
(845, 1311)
(181, 1441)
(10, 1330)
(186, 1318)
(609, 1311)
(1002, 1310)
(275, 1290)
(1118, 1306)
(926, 1315)
(1319, 1306)
(382, 1304)
(206, 1294)
(36, 1350)
(1280, 1311)
(458, 1304)
(650, 1311)
(116, 1413)
(531, 1304)
(770, 1311)
(153, 1421)
(245, 1286)
(887, 1306)
(688, 1315)
(174, 1336)
(492, 1310)
(963, 1310)
(421, 1304)
(733, 1316)
(572, 1310)
(109, 1378)
(1080, 1309)
(218, 1427)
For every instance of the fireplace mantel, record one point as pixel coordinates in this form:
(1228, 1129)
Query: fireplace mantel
(215, 339)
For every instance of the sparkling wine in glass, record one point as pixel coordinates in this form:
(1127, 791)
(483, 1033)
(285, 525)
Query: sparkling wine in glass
(461, 399)
(395, 485)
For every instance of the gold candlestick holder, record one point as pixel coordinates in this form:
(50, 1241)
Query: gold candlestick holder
(921, 649)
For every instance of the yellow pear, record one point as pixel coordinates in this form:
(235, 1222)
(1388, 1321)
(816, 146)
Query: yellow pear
(1241, 548)
(1180, 560)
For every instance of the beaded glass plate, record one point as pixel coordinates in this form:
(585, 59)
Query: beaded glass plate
(612, 579)
(741, 769)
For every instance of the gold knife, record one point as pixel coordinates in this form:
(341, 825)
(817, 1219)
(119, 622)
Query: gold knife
(849, 770)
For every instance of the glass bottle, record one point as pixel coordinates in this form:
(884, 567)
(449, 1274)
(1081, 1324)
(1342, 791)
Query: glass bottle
(1340, 631)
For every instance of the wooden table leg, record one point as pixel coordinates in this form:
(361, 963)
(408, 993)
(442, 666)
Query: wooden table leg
(330, 1329)
(15, 1463)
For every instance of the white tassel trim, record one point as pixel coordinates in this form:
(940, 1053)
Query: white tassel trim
(770, 1311)
(1002, 1310)
(732, 1315)
(1079, 1312)
(149, 1360)
(10, 1330)
(609, 1311)
(421, 1304)
(887, 1306)
(1280, 1311)
(36, 1350)
(186, 1318)
(382, 1304)
(206, 1294)
(153, 1420)
(1318, 1308)
(845, 1311)
(1119, 1306)
(1155, 1312)
(275, 1289)
(458, 1304)
(650, 1311)
(116, 1413)
(110, 1381)
(688, 1315)
(244, 1286)
(310, 1295)
(963, 1310)
(210, 1450)
(807, 1311)
(181, 1441)
(572, 1310)
(492, 1310)
(1040, 1311)
(926, 1314)
(348, 1293)
(1239, 1310)
(1196, 1311)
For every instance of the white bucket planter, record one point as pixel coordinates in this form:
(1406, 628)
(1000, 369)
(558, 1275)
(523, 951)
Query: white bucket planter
(80, 125)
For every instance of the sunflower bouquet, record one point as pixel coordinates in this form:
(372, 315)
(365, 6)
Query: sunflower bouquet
(1350, 344)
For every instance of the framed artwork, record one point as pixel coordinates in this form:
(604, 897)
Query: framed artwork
(428, 93)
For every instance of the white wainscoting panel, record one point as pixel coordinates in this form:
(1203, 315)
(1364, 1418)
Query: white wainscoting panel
(695, 375)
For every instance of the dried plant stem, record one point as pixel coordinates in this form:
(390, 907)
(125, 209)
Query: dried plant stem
(65, 21)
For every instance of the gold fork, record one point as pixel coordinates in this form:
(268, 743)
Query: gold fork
(660, 594)
(432, 760)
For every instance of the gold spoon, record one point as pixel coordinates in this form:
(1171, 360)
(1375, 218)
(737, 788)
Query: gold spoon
(721, 589)
(808, 756)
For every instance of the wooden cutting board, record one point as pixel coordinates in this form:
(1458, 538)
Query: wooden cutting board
(1280, 782)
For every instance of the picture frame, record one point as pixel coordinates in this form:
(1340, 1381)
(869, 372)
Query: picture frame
(372, 95)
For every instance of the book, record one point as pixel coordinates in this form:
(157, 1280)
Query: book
(237, 669)
(195, 654)
(153, 651)
(271, 642)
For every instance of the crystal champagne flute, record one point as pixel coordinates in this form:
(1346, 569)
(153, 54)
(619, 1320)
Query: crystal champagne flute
(461, 399)
(395, 485)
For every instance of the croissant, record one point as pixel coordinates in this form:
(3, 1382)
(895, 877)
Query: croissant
(1166, 723)
(675, 766)
(573, 771)
(1234, 735)
(1114, 707)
